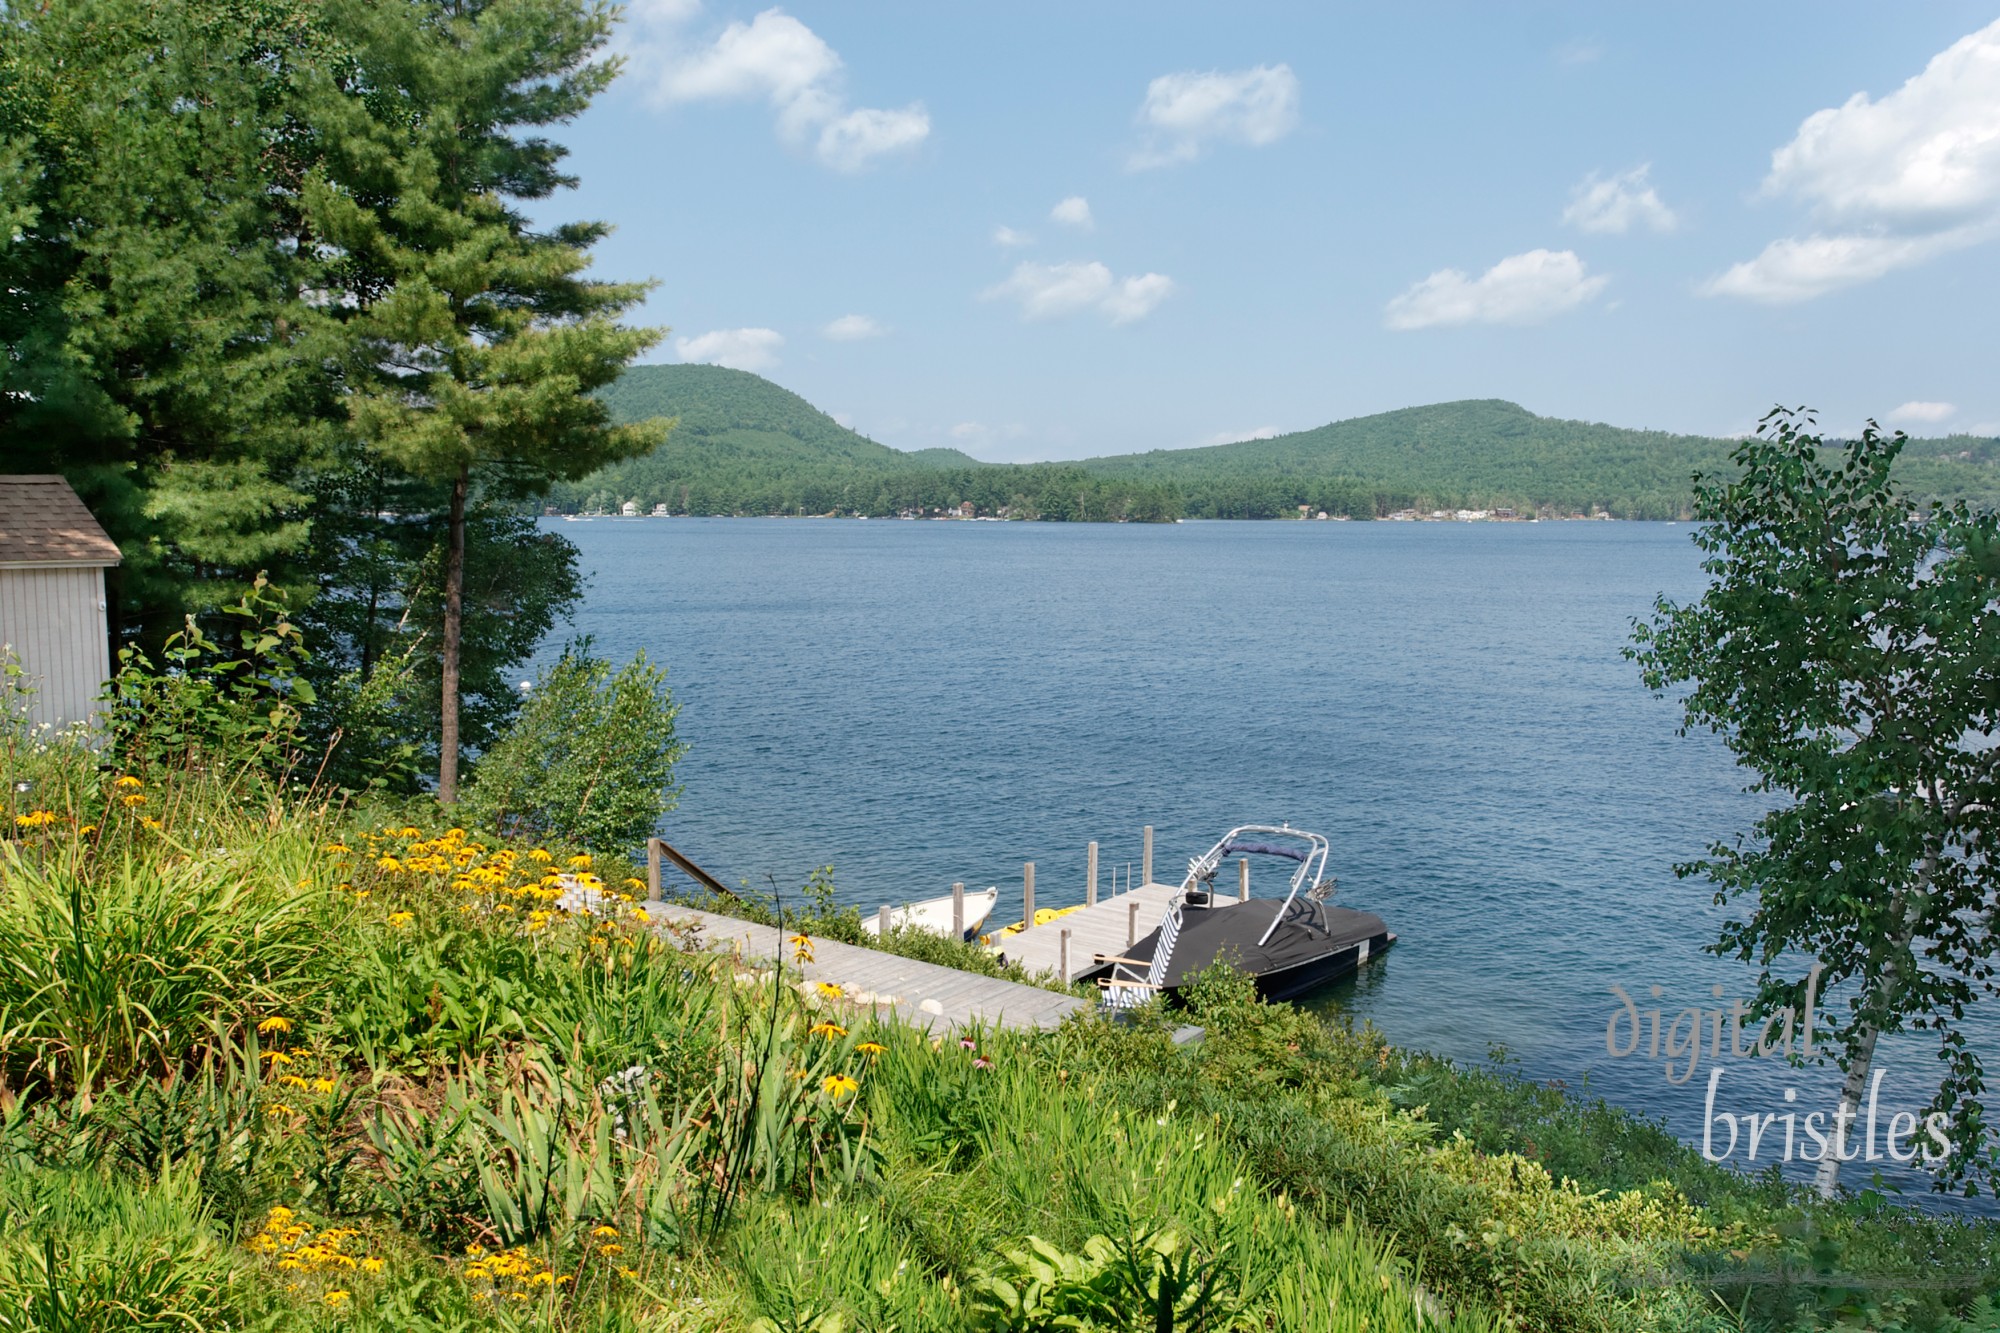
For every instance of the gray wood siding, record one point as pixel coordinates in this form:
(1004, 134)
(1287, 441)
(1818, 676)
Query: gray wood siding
(53, 620)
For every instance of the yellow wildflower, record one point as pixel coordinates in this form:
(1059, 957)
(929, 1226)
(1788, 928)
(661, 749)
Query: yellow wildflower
(275, 1024)
(276, 1109)
(830, 991)
(400, 919)
(324, 1085)
(35, 819)
(371, 1265)
(611, 1249)
(641, 915)
(838, 1085)
(277, 1057)
(133, 798)
(827, 1030)
(539, 855)
(581, 861)
(128, 781)
(86, 830)
(151, 823)
(293, 1081)
(604, 1231)
(388, 863)
(336, 1297)
(871, 1049)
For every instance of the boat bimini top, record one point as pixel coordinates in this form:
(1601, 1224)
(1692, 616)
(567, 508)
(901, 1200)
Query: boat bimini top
(1308, 849)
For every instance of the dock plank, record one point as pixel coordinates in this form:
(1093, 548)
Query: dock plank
(1092, 930)
(903, 985)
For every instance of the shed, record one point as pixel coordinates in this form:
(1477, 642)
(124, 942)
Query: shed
(53, 615)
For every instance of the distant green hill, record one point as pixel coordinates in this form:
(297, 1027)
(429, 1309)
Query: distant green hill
(737, 435)
(744, 445)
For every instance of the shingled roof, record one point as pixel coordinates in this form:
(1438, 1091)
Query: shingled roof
(43, 523)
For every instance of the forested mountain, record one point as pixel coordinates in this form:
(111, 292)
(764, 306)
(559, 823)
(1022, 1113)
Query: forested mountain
(744, 445)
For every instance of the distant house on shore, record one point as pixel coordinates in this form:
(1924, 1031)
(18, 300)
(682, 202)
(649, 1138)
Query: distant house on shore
(53, 614)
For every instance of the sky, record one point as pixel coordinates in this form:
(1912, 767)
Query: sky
(1044, 231)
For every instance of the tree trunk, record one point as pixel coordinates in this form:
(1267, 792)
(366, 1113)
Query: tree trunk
(1907, 910)
(1853, 1090)
(454, 623)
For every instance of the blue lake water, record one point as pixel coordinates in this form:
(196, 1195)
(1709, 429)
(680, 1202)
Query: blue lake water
(918, 703)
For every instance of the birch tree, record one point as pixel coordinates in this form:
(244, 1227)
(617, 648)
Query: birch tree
(1847, 651)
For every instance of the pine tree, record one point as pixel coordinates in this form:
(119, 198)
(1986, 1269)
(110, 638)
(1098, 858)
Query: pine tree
(478, 339)
(155, 342)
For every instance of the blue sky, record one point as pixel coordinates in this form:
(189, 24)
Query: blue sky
(1049, 231)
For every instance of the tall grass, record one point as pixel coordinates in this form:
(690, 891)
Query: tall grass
(116, 966)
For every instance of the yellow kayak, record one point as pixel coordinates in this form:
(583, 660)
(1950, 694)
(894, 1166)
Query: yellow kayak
(1043, 915)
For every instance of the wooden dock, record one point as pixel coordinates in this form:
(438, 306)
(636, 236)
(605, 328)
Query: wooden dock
(1108, 926)
(923, 994)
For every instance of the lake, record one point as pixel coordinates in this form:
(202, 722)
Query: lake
(922, 702)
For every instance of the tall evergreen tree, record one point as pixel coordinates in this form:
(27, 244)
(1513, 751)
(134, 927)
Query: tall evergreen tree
(478, 338)
(155, 343)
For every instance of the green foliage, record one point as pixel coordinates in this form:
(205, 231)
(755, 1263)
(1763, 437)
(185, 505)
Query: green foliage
(161, 348)
(1846, 652)
(117, 967)
(1147, 1281)
(84, 1249)
(590, 759)
(211, 705)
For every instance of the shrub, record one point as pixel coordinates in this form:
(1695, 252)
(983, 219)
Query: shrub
(588, 761)
(209, 705)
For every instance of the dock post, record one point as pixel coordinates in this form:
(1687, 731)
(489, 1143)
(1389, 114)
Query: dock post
(958, 911)
(1243, 881)
(1132, 924)
(653, 868)
(1062, 954)
(1090, 880)
(1146, 861)
(1027, 894)
(882, 922)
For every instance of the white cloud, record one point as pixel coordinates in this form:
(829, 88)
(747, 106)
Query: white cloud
(1618, 203)
(1051, 291)
(1580, 51)
(859, 137)
(1895, 182)
(1800, 268)
(978, 434)
(739, 349)
(1007, 238)
(1074, 212)
(1520, 289)
(776, 58)
(1928, 413)
(853, 328)
(1237, 436)
(1184, 113)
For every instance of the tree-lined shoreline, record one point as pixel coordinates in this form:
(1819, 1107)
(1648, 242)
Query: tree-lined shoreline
(743, 445)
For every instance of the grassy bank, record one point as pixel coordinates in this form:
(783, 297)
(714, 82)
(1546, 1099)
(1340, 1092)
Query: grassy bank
(277, 1067)
(278, 1063)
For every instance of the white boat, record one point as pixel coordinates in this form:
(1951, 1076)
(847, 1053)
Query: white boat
(934, 914)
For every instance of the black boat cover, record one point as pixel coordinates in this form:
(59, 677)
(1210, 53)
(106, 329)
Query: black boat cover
(1230, 930)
